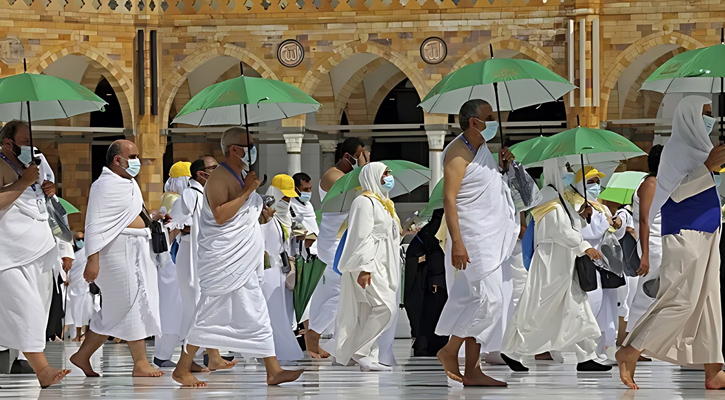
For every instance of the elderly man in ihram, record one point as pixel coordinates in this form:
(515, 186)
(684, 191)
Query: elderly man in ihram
(119, 261)
(232, 312)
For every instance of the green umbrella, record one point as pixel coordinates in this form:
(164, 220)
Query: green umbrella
(408, 177)
(695, 71)
(598, 145)
(68, 207)
(307, 274)
(621, 187)
(435, 201)
(33, 97)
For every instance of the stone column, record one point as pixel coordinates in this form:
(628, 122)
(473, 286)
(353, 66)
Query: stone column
(436, 140)
(75, 159)
(293, 142)
(328, 148)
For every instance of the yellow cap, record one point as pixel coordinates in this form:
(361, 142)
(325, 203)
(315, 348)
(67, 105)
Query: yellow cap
(589, 172)
(286, 184)
(179, 169)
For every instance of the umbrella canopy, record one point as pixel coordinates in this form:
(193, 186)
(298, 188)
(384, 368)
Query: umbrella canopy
(622, 186)
(694, 71)
(408, 177)
(307, 275)
(50, 97)
(597, 145)
(68, 207)
(522, 83)
(435, 201)
(267, 100)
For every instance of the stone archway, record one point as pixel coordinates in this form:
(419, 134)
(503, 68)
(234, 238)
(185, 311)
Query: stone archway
(481, 52)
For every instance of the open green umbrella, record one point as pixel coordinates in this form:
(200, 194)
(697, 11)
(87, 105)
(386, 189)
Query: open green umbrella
(621, 187)
(435, 201)
(34, 97)
(597, 145)
(695, 71)
(408, 177)
(68, 207)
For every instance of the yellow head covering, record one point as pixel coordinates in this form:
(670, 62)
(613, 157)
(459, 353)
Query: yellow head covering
(589, 172)
(179, 169)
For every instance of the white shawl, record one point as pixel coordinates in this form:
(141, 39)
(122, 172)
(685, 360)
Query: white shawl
(185, 212)
(113, 204)
(305, 214)
(685, 152)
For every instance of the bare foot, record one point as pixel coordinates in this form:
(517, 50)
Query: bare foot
(450, 364)
(478, 378)
(144, 369)
(283, 376)
(716, 383)
(312, 344)
(50, 376)
(84, 364)
(323, 353)
(186, 379)
(220, 363)
(198, 368)
(543, 356)
(76, 339)
(627, 359)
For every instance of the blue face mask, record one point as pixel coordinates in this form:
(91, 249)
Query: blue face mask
(134, 166)
(718, 181)
(490, 131)
(388, 183)
(80, 244)
(709, 123)
(593, 190)
(305, 196)
(567, 178)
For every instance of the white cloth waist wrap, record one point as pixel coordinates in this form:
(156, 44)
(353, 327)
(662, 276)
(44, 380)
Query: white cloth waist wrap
(26, 235)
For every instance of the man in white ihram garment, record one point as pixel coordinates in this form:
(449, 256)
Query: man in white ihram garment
(554, 313)
(684, 325)
(117, 243)
(478, 243)
(185, 215)
(370, 266)
(232, 312)
(79, 306)
(276, 230)
(28, 247)
(169, 294)
(323, 304)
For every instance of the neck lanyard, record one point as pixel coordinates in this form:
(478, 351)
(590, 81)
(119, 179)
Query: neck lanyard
(225, 165)
(15, 169)
(463, 137)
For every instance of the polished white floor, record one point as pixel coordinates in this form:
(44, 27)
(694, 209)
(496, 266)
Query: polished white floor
(415, 378)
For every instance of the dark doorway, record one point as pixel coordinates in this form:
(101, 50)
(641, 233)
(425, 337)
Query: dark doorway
(400, 106)
(112, 117)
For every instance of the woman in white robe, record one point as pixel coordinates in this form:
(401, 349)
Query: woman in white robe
(279, 299)
(370, 266)
(553, 313)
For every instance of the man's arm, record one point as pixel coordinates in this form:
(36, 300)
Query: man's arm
(453, 172)
(217, 193)
(10, 193)
(329, 179)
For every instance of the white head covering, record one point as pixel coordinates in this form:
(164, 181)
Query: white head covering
(282, 208)
(552, 176)
(370, 178)
(686, 151)
(177, 185)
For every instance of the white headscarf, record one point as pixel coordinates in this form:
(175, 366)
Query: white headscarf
(370, 176)
(282, 213)
(686, 151)
(552, 176)
(177, 185)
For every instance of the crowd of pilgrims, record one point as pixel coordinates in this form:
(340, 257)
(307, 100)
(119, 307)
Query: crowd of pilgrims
(214, 268)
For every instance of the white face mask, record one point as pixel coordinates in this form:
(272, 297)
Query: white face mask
(709, 123)
(134, 166)
(245, 159)
(26, 154)
(490, 131)
(305, 196)
(567, 178)
(593, 190)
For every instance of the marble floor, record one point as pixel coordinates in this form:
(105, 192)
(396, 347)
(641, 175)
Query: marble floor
(415, 378)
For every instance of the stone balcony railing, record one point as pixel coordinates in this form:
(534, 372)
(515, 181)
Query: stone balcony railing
(188, 7)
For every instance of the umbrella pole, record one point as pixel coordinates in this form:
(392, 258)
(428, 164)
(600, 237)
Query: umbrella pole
(498, 106)
(30, 124)
(584, 183)
(246, 127)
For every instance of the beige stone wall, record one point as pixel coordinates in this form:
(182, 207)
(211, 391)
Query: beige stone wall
(393, 31)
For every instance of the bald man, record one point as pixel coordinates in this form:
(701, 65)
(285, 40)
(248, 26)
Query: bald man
(120, 263)
(232, 312)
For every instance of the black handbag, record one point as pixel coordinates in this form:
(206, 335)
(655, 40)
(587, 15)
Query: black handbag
(631, 257)
(586, 269)
(651, 287)
(158, 238)
(610, 280)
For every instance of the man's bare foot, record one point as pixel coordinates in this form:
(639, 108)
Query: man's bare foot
(627, 359)
(544, 357)
(198, 368)
(84, 364)
(50, 376)
(716, 383)
(478, 378)
(283, 376)
(450, 364)
(186, 379)
(144, 369)
(312, 344)
(220, 363)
